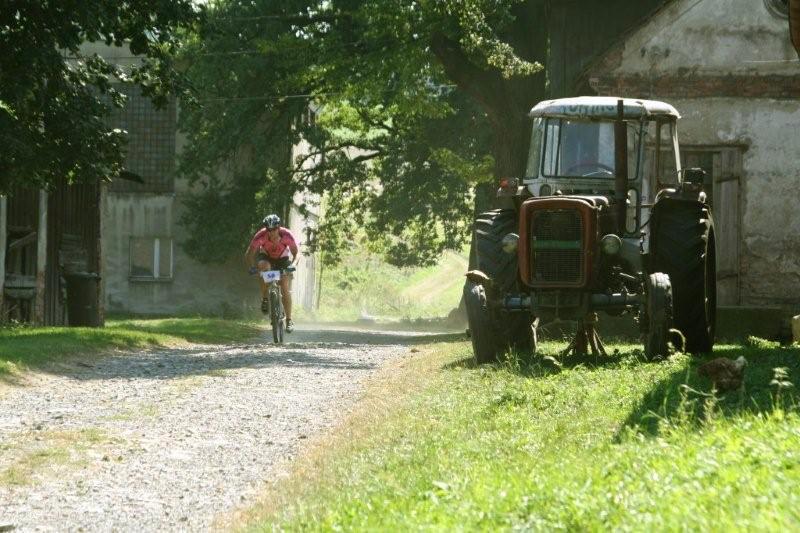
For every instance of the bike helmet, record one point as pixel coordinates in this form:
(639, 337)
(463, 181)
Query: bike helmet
(271, 221)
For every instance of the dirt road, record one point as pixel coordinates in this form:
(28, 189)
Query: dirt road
(170, 439)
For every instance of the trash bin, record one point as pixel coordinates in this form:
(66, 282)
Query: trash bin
(82, 290)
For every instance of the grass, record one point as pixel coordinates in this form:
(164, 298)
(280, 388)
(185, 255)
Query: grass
(27, 347)
(575, 444)
(364, 285)
(53, 449)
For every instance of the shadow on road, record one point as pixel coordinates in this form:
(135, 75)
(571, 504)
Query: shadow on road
(321, 347)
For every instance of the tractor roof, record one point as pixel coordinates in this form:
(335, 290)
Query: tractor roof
(603, 107)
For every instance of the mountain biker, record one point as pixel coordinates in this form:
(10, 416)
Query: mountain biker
(270, 249)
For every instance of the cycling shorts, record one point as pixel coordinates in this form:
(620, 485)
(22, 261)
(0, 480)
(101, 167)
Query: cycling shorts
(275, 264)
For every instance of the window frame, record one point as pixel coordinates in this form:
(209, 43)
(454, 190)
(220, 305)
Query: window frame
(157, 260)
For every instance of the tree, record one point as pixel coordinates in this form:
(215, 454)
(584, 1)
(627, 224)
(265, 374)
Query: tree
(53, 97)
(421, 101)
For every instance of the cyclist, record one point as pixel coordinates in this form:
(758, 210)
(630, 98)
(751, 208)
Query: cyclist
(270, 249)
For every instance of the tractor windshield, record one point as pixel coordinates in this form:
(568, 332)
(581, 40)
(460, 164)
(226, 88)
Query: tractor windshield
(581, 149)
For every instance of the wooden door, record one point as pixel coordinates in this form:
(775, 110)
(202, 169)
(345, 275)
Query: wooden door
(727, 217)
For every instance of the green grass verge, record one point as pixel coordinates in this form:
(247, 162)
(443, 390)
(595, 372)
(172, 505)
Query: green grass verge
(617, 444)
(26, 347)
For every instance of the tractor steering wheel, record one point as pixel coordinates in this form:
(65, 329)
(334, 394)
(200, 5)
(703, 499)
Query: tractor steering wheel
(599, 168)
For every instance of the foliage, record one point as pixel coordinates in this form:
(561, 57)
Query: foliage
(363, 286)
(51, 96)
(617, 444)
(419, 102)
(394, 134)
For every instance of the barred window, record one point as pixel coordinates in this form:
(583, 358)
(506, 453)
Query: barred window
(150, 147)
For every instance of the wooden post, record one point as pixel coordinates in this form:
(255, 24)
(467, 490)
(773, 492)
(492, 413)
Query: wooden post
(99, 260)
(41, 261)
(3, 245)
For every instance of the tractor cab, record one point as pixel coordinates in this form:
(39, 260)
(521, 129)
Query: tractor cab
(574, 150)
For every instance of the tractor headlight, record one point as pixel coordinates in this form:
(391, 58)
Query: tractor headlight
(611, 244)
(510, 243)
(545, 190)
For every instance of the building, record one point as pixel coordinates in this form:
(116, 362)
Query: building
(146, 269)
(730, 68)
(49, 242)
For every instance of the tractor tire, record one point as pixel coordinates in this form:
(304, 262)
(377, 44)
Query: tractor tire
(494, 331)
(659, 316)
(683, 247)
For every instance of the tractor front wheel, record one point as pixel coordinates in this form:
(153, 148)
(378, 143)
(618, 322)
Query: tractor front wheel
(659, 316)
(493, 331)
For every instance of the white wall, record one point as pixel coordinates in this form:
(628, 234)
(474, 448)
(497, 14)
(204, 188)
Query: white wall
(195, 288)
(711, 36)
(693, 40)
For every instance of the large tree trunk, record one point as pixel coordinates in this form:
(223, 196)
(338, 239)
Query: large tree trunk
(506, 101)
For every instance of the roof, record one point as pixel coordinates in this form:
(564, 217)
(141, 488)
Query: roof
(620, 42)
(604, 107)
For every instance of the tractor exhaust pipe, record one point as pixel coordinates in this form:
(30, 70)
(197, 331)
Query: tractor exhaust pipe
(621, 167)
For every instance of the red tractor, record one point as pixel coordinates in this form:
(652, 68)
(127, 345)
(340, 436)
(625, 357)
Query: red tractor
(606, 220)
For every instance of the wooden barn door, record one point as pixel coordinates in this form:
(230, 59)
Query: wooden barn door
(727, 215)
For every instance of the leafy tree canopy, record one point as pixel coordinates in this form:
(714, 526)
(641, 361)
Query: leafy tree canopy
(419, 101)
(52, 95)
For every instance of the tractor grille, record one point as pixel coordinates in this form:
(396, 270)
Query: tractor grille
(557, 246)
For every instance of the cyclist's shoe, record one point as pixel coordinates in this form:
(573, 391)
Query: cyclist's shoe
(265, 305)
(289, 325)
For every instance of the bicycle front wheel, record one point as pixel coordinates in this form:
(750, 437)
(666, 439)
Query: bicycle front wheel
(276, 317)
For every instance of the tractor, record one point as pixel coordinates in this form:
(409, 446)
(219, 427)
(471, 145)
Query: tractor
(604, 220)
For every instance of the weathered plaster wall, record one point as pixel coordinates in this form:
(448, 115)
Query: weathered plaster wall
(195, 288)
(770, 246)
(710, 36)
(692, 53)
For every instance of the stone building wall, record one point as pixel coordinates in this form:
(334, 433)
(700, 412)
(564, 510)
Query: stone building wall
(729, 67)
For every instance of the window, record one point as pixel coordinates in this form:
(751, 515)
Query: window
(151, 259)
(779, 8)
(535, 152)
(585, 149)
(664, 168)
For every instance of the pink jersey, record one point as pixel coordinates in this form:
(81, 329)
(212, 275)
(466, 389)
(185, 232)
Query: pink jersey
(275, 250)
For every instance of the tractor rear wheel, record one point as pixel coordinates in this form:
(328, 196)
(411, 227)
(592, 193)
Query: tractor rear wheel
(683, 247)
(493, 331)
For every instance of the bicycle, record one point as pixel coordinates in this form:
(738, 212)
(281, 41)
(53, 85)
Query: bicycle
(277, 315)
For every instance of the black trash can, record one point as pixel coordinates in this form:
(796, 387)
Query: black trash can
(82, 290)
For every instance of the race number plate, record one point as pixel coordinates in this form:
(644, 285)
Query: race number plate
(271, 275)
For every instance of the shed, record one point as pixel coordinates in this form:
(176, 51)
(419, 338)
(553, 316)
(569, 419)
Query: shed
(45, 237)
(730, 69)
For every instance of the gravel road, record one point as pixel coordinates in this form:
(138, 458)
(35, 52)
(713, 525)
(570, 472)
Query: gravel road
(170, 439)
